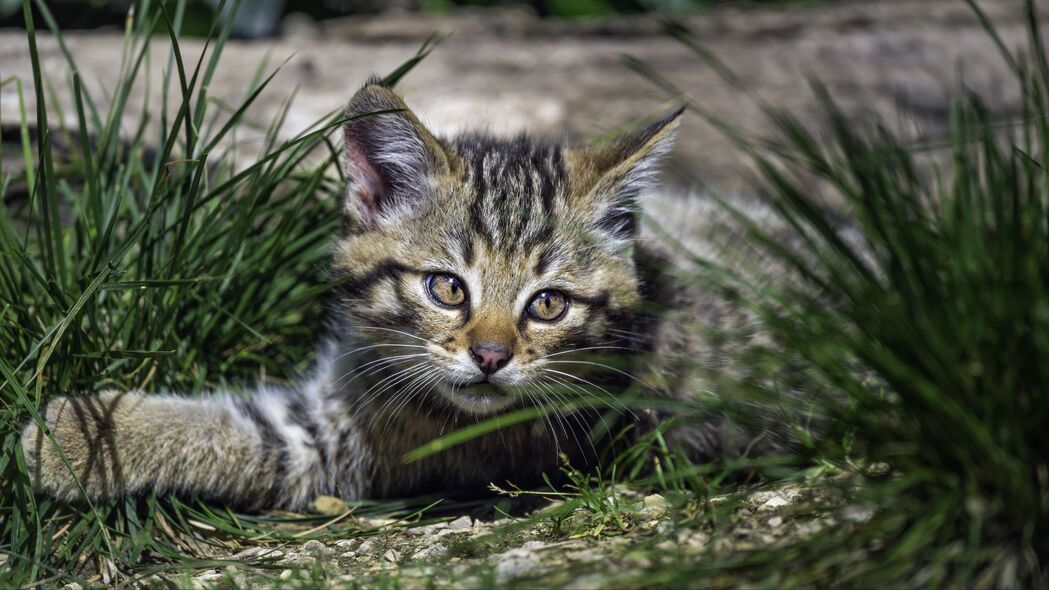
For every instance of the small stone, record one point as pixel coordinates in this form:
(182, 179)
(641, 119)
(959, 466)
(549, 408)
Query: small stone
(369, 546)
(448, 533)
(249, 552)
(431, 529)
(316, 548)
(655, 502)
(461, 524)
(348, 544)
(391, 555)
(286, 574)
(533, 545)
(775, 521)
(435, 551)
(515, 563)
(300, 559)
(774, 502)
(329, 505)
(72, 586)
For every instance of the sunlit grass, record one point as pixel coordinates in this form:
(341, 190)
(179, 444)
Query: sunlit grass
(141, 262)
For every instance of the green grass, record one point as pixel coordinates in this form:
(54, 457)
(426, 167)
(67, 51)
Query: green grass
(924, 343)
(141, 261)
(134, 260)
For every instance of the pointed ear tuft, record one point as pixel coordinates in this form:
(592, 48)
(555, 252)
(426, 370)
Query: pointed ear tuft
(391, 158)
(609, 178)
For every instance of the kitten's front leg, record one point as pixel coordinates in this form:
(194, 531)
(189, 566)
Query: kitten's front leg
(123, 443)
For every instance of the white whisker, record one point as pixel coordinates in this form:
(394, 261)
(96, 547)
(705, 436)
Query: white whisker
(401, 332)
(563, 352)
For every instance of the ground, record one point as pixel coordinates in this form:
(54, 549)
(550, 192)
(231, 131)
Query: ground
(622, 544)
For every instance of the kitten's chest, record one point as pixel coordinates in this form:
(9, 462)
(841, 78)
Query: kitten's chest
(515, 455)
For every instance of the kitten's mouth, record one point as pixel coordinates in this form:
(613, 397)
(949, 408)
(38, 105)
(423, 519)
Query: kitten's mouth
(477, 398)
(481, 389)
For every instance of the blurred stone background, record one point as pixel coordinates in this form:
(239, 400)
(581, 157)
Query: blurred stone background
(514, 67)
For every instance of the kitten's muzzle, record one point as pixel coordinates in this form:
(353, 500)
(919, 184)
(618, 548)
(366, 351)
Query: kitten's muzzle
(490, 357)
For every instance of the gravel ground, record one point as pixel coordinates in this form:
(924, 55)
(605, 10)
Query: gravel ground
(463, 552)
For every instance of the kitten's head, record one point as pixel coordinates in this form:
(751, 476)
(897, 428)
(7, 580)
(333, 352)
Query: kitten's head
(473, 262)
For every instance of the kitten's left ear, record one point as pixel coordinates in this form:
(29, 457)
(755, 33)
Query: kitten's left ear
(607, 179)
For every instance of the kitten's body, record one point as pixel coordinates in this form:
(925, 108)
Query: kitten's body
(514, 224)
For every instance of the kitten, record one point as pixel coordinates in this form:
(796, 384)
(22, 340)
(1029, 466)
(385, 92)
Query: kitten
(478, 273)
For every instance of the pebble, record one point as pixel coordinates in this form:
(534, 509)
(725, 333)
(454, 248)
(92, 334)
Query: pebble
(654, 504)
(299, 559)
(776, 501)
(431, 529)
(435, 551)
(461, 524)
(286, 574)
(515, 563)
(329, 505)
(369, 546)
(249, 552)
(391, 555)
(316, 548)
(448, 532)
(775, 521)
(348, 544)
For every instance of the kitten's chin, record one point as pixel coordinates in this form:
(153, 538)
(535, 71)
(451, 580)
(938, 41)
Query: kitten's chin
(479, 398)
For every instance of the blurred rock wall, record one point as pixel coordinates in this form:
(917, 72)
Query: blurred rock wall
(507, 71)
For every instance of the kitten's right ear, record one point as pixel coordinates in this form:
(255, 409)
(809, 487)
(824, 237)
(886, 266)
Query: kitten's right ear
(391, 158)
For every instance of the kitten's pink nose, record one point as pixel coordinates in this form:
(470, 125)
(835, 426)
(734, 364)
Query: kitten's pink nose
(490, 357)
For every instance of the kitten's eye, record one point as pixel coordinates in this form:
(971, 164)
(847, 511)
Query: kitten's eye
(548, 306)
(446, 290)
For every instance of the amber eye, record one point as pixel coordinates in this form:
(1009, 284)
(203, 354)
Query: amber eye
(548, 306)
(446, 290)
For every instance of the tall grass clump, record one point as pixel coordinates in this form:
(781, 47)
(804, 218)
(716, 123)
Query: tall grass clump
(925, 336)
(136, 254)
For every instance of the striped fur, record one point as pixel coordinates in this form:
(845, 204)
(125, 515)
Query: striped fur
(510, 219)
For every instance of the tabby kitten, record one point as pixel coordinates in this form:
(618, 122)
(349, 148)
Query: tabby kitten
(477, 272)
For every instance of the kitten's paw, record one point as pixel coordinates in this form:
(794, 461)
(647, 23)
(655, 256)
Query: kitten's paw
(80, 427)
